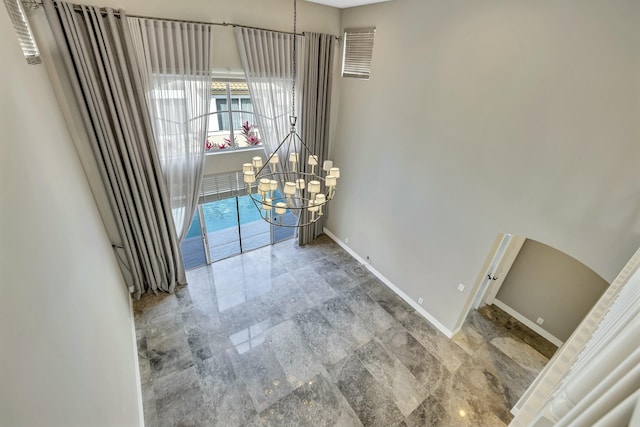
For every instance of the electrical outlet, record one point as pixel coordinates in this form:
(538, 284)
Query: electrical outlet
(368, 259)
(461, 287)
(346, 240)
(420, 301)
(540, 321)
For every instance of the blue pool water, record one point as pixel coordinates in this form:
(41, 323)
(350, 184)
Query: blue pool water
(222, 214)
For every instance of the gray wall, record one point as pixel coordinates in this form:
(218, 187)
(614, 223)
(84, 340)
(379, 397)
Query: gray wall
(544, 282)
(486, 117)
(67, 342)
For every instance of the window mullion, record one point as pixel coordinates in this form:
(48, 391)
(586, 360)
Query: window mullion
(225, 93)
(232, 136)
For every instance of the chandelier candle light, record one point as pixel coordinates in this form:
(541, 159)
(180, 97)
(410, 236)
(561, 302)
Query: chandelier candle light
(282, 183)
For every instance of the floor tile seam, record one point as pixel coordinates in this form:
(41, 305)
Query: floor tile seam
(337, 394)
(243, 379)
(396, 359)
(305, 343)
(295, 394)
(350, 340)
(435, 354)
(387, 395)
(361, 320)
(382, 337)
(147, 320)
(463, 348)
(515, 338)
(341, 332)
(476, 392)
(485, 334)
(226, 346)
(238, 381)
(383, 385)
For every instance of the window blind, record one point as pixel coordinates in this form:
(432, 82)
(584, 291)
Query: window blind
(23, 31)
(358, 50)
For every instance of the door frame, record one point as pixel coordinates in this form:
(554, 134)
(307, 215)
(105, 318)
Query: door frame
(508, 257)
(493, 274)
(204, 235)
(488, 294)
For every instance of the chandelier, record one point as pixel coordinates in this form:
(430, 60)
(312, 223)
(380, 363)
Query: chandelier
(292, 178)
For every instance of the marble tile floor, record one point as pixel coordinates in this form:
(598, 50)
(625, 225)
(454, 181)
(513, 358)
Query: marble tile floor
(519, 330)
(294, 336)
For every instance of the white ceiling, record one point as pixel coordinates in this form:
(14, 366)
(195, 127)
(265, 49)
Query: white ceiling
(343, 4)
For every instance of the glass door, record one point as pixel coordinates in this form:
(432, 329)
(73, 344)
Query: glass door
(254, 231)
(221, 218)
(227, 223)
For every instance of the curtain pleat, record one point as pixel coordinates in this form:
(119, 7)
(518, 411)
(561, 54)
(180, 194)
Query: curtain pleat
(175, 63)
(317, 79)
(96, 48)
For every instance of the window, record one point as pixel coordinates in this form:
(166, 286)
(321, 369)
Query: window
(232, 123)
(358, 50)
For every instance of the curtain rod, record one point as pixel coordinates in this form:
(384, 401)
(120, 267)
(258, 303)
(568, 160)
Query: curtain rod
(35, 4)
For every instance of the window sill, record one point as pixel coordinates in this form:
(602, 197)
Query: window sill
(237, 150)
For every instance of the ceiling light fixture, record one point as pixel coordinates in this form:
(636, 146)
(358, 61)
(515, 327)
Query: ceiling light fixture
(292, 178)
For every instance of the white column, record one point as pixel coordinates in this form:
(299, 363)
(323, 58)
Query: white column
(593, 330)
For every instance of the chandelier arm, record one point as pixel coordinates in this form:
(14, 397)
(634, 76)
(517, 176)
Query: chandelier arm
(306, 146)
(270, 156)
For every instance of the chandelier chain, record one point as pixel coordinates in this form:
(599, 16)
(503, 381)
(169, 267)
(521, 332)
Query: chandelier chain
(293, 59)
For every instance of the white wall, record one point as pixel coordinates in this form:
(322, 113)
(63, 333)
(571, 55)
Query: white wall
(487, 117)
(68, 355)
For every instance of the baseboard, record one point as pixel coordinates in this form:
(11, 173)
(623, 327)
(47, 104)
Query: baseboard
(534, 326)
(391, 286)
(136, 364)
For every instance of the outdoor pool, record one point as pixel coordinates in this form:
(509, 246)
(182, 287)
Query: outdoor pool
(222, 214)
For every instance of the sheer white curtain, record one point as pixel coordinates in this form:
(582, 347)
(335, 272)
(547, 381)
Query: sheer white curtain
(266, 59)
(175, 63)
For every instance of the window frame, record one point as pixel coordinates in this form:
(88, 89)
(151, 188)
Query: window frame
(357, 52)
(233, 133)
(22, 28)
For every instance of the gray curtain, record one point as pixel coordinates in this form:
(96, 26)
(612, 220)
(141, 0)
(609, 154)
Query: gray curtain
(97, 51)
(317, 76)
